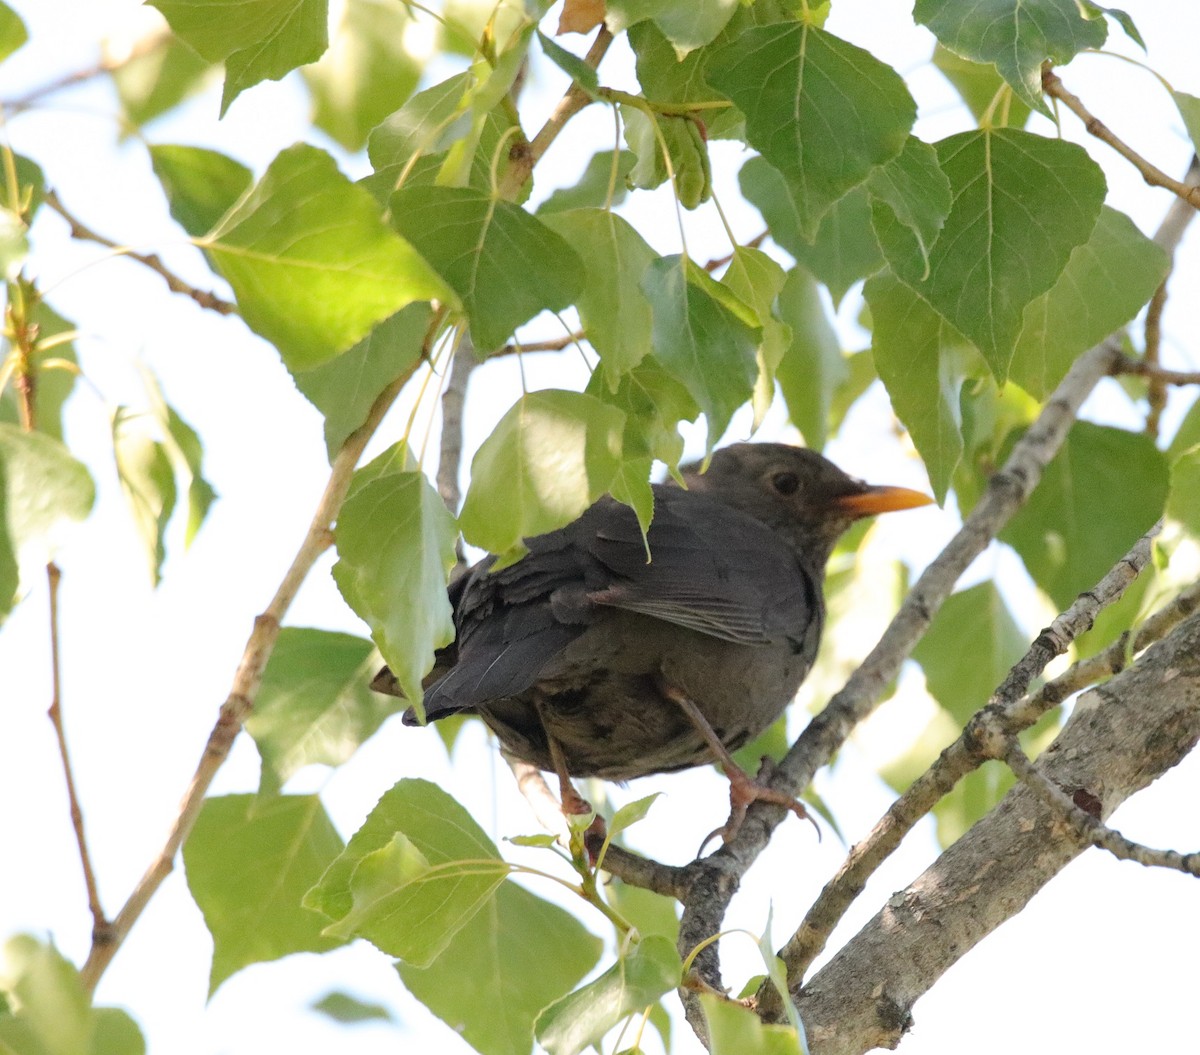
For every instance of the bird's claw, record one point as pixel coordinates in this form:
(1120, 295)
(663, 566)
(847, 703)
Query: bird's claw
(745, 790)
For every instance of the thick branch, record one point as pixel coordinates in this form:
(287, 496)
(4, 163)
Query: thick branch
(245, 684)
(1120, 737)
(1002, 718)
(714, 880)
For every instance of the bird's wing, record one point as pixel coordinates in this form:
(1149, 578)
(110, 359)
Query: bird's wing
(712, 569)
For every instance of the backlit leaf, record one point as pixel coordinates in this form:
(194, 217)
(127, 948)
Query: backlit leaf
(312, 264)
(201, 185)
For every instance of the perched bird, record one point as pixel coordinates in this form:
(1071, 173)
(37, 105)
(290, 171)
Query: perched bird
(587, 659)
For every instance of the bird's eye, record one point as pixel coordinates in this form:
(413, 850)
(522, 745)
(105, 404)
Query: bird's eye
(785, 483)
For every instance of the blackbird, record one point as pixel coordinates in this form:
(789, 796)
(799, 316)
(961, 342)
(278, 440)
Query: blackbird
(587, 659)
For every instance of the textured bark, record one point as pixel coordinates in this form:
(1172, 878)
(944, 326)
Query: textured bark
(1121, 737)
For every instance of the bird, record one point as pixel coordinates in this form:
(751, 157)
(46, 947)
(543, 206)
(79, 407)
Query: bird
(605, 653)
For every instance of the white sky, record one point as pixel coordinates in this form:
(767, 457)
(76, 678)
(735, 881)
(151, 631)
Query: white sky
(145, 671)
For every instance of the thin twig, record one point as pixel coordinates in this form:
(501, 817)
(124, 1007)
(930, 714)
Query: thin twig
(246, 682)
(1089, 826)
(1156, 395)
(99, 920)
(1152, 174)
(81, 231)
(451, 444)
(575, 99)
(1156, 374)
(554, 344)
(1002, 717)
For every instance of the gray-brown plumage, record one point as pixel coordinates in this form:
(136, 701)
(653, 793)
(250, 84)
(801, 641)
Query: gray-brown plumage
(585, 643)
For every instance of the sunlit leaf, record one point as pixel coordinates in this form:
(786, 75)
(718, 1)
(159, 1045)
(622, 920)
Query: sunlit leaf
(315, 704)
(248, 865)
(647, 971)
(312, 264)
(506, 265)
(257, 40)
(201, 185)
(515, 956)
(550, 457)
(395, 544)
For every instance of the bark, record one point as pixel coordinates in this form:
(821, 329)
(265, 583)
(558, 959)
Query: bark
(1121, 736)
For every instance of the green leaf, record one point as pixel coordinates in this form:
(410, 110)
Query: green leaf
(349, 1009)
(248, 865)
(311, 262)
(1103, 489)
(53, 385)
(201, 185)
(147, 481)
(736, 1030)
(511, 959)
(550, 457)
(395, 544)
(647, 971)
(344, 389)
(256, 39)
(52, 1005)
(844, 248)
(978, 84)
(797, 86)
(591, 189)
(506, 265)
(1105, 283)
(1021, 203)
(13, 33)
(687, 26)
(155, 81)
(1189, 110)
(757, 280)
(419, 133)
(657, 139)
(45, 489)
(813, 366)
(10, 572)
(115, 1033)
(410, 908)
(1121, 18)
(185, 453)
(973, 797)
(366, 74)
(701, 337)
(1015, 35)
(969, 649)
(438, 827)
(612, 307)
(921, 361)
(572, 65)
(654, 403)
(314, 705)
(916, 190)
(629, 814)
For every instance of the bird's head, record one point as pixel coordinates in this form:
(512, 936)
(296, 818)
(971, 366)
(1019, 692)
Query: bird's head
(796, 492)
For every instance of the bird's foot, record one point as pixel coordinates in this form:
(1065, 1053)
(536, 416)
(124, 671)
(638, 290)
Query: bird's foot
(745, 790)
(587, 827)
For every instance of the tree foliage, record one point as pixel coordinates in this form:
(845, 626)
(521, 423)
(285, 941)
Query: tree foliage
(990, 278)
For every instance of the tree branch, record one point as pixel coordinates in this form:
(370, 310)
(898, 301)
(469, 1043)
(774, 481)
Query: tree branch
(1152, 174)
(151, 260)
(1089, 827)
(246, 682)
(1119, 738)
(1000, 720)
(712, 882)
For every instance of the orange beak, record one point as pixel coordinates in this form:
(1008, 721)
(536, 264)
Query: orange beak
(879, 500)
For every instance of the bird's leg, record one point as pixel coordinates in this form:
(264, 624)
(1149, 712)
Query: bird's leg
(573, 804)
(743, 788)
